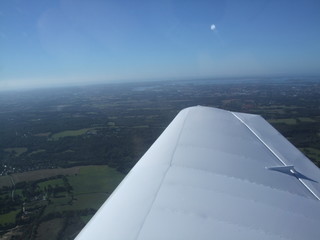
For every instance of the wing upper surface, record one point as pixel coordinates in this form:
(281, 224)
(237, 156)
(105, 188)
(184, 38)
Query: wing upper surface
(209, 176)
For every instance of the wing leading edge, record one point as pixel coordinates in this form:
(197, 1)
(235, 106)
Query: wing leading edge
(214, 174)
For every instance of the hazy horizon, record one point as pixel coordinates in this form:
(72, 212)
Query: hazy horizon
(66, 42)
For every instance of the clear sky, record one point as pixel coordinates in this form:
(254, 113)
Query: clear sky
(52, 42)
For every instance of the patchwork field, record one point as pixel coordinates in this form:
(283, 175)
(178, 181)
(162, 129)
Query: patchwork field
(77, 192)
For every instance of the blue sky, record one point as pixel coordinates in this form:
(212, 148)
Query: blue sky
(53, 42)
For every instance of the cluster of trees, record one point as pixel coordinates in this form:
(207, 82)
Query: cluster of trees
(31, 194)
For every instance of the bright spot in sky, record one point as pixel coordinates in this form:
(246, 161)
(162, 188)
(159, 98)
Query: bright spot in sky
(213, 27)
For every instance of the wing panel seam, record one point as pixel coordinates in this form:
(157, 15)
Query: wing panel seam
(164, 176)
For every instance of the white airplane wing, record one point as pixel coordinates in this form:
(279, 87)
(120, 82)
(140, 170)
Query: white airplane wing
(214, 174)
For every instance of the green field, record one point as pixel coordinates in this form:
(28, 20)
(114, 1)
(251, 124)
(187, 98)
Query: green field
(95, 179)
(289, 121)
(278, 109)
(45, 134)
(306, 119)
(40, 174)
(37, 151)
(73, 133)
(141, 126)
(9, 217)
(70, 133)
(52, 182)
(91, 187)
(17, 151)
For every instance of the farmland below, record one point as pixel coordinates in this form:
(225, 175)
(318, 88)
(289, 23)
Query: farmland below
(63, 198)
(63, 151)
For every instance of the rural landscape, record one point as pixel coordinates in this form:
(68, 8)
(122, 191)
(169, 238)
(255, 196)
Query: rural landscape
(64, 150)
